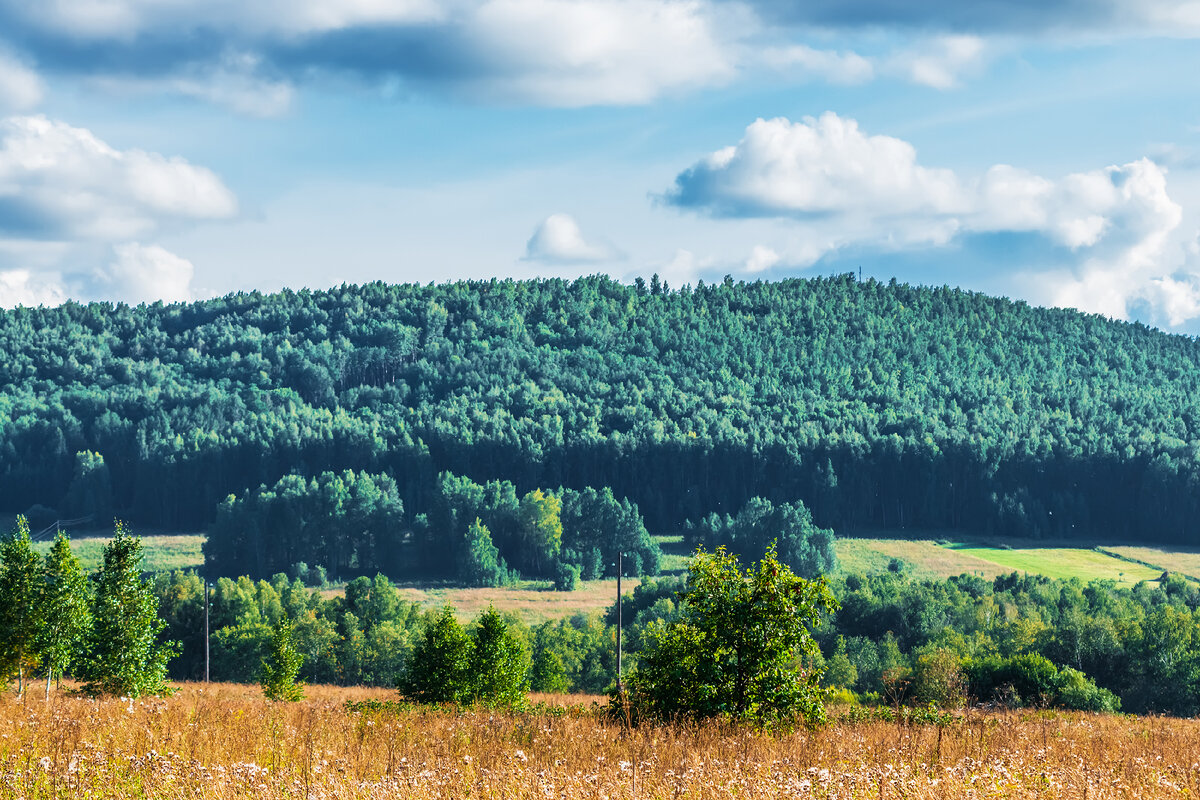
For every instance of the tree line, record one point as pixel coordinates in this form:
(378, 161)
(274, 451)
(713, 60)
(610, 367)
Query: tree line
(1016, 640)
(878, 405)
(103, 629)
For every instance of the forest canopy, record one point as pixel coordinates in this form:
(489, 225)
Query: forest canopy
(875, 405)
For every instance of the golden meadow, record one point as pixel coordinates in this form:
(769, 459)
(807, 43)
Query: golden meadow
(225, 741)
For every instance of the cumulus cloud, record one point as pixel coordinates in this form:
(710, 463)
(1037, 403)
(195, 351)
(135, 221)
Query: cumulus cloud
(813, 168)
(1107, 230)
(23, 287)
(62, 182)
(145, 273)
(559, 240)
(67, 197)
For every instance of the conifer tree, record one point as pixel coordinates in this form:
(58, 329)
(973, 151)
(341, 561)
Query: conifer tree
(499, 663)
(439, 669)
(64, 610)
(20, 580)
(125, 657)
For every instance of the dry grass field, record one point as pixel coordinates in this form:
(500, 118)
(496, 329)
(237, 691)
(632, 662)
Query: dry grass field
(223, 741)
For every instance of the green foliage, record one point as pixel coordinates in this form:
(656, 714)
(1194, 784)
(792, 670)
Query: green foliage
(282, 664)
(566, 576)
(343, 521)
(800, 544)
(741, 648)
(499, 662)
(549, 674)
(439, 669)
(490, 665)
(125, 656)
(90, 492)
(541, 531)
(482, 564)
(20, 603)
(64, 610)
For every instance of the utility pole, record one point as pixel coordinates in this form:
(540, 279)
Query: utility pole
(620, 569)
(206, 630)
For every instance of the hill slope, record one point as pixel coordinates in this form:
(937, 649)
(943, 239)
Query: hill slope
(878, 405)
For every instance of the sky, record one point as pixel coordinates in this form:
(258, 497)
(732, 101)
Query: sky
(172, 150)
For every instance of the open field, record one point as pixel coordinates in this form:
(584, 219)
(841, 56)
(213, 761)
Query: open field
(1063, 562)
(926, 558)
(160, 553)
(1185, 562)
(923, 558)
(223, 741)
(532, 601)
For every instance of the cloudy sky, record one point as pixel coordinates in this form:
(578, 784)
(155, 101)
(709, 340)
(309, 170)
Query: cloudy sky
(1047, 150)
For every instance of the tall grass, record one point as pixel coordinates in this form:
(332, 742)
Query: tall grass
(222, 741)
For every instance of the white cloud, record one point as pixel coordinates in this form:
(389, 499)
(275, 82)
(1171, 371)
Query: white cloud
(62, 182)
(66, 197)
(1111, 226)
(940, 63)
(761, 258)
(145, 273)
(596, 51)
(23, 287)
(815, 167)
(20, 86)
(558, 239)
(845, 68)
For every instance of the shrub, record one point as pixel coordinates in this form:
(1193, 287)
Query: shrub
(741, 647)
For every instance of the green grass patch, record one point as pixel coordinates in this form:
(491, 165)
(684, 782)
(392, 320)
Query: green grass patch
(159, 553)
(1063, 562)
(922, 558)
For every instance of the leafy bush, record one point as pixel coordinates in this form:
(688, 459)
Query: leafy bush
(740, 649)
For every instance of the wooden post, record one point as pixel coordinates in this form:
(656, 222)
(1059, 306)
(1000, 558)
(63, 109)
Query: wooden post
(206, 630)
(620, 569)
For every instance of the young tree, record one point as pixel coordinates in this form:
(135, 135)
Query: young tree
(20, 583)
(125, 655)
(65, 614)
(282, 664)
(439, 670)
(499, 662)
(740, 647)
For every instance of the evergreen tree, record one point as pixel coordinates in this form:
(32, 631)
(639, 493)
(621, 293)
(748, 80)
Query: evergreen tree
(439, 670)
(20, 582)
(282, 664)
(499, 662)
(65, 614)
(482, 564)
(125, 657)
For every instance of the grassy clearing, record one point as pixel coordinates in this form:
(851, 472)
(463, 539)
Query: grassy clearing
(223, 741)
(923, 558)
(532, 601)
(1185, 562)
(926, 558)
(160, 553)
(1064, 562)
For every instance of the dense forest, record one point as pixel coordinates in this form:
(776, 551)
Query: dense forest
(870, 405)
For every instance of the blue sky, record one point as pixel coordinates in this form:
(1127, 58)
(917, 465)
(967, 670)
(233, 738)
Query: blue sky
(167, 149)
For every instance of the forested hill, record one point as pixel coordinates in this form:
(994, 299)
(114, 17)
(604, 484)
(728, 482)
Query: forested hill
(878, 405)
